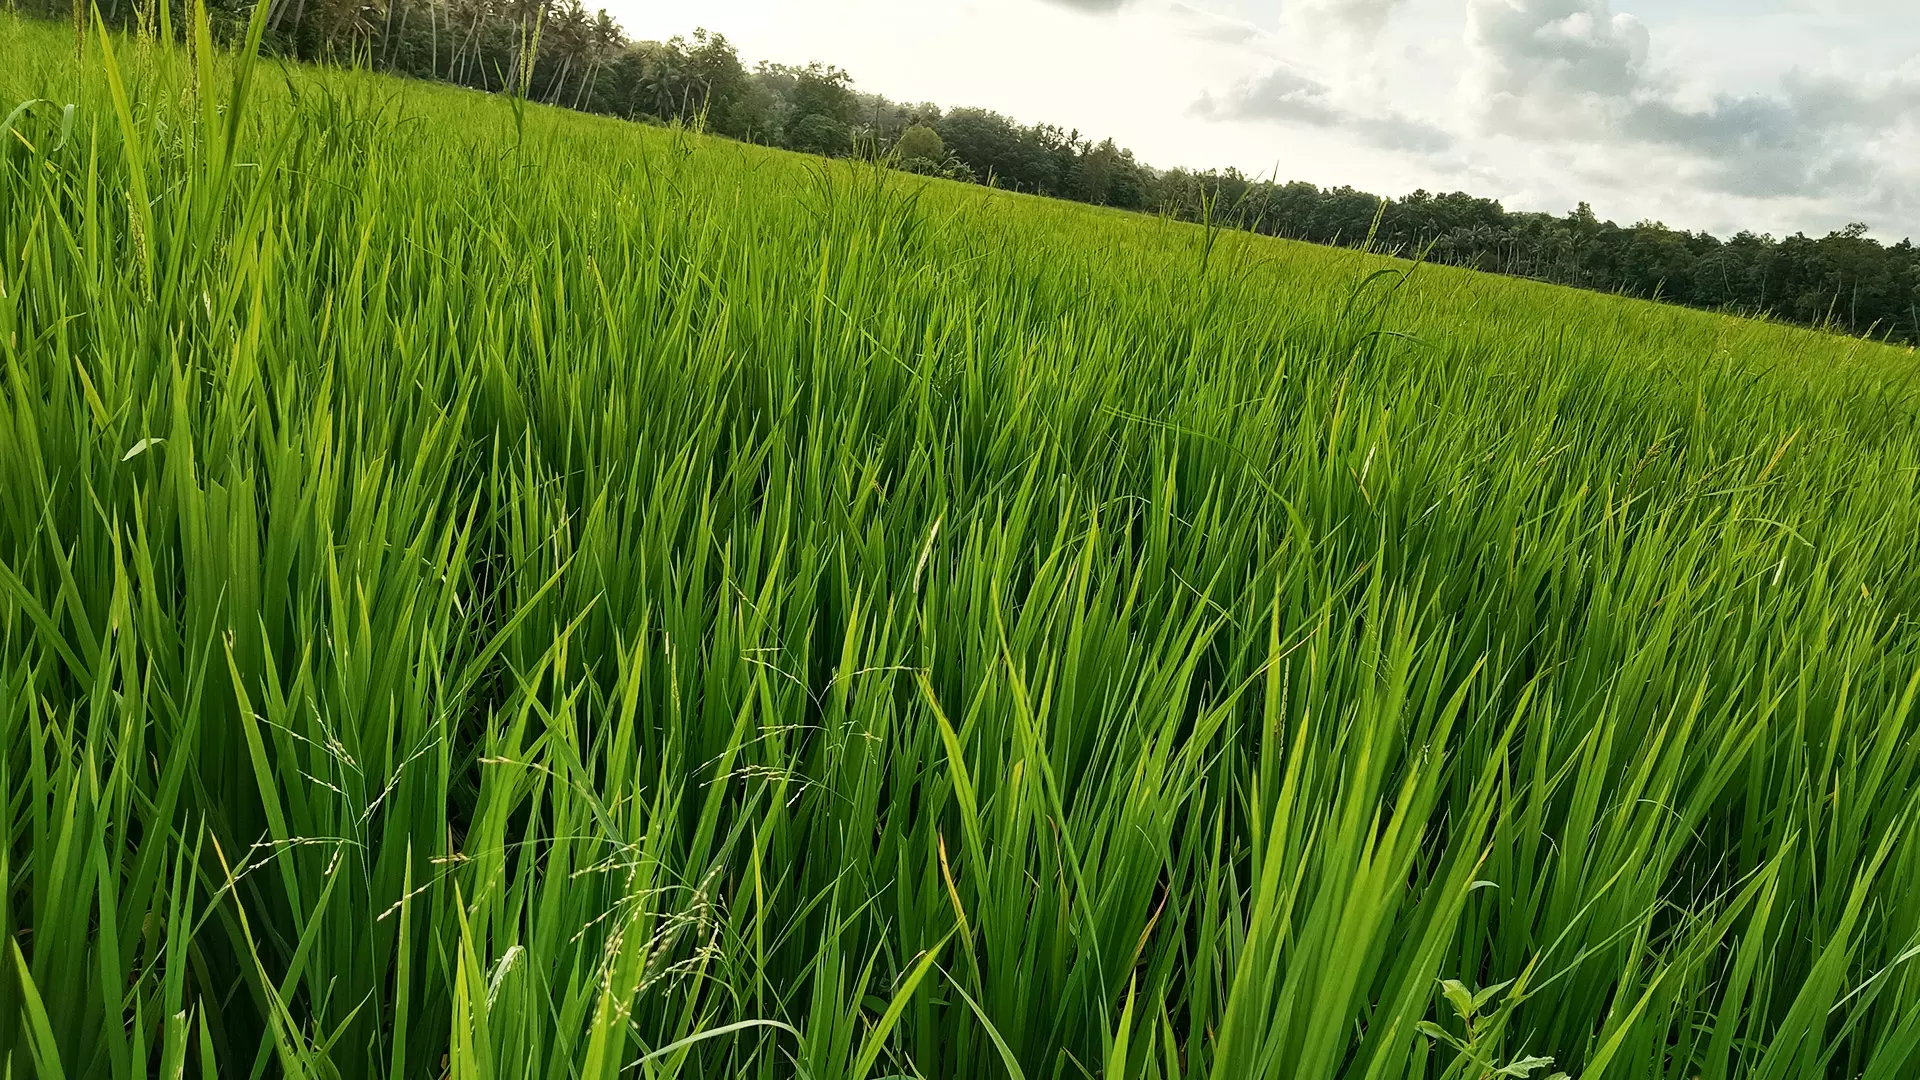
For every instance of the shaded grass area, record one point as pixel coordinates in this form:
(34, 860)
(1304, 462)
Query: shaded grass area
(492, 591)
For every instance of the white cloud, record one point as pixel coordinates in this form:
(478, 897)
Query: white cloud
(1575, 71)
(1778, 115)
(1363, 19)
(1542, 67)
(1287, 95)
(1212, 26)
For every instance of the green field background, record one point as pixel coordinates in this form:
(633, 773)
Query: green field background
(490, 591)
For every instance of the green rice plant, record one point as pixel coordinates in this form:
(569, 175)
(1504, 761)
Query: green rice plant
(492, 591)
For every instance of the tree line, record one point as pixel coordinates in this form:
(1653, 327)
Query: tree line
(561, 54)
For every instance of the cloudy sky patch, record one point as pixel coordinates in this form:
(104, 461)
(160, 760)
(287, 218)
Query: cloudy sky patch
(1775, 115)
(1289, 97)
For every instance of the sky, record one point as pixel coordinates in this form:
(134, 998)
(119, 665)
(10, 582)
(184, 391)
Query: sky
(1777, 116)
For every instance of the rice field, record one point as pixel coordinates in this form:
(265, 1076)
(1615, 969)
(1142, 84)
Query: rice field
(487, 591)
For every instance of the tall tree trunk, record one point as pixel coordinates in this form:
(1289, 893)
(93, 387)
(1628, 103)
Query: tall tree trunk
(580, 99)
(299, 10)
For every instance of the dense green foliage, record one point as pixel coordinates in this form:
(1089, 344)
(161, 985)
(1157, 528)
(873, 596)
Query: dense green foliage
(487, 590)
(560, 54)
